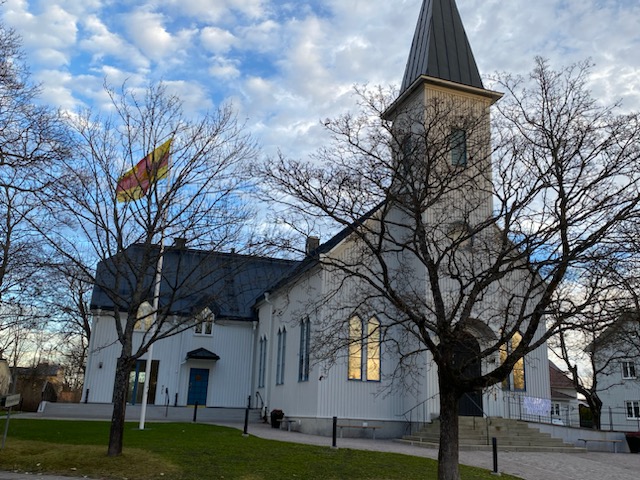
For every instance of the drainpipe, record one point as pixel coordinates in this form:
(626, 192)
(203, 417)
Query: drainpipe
(269, 362)
(253, 379)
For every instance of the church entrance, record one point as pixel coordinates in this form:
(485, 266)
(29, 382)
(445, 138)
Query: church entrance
(468, 354)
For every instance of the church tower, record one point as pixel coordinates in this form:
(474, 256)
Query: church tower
(441, 118)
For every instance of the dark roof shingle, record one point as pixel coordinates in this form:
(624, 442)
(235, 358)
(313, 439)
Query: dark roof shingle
(440, 47)
(226, 283)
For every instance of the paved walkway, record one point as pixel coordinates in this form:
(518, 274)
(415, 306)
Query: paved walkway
(529, 466)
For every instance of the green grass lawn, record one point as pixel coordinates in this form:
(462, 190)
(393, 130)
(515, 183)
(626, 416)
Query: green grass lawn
(179, 451)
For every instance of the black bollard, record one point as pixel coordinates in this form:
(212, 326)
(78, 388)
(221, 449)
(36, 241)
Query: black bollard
(195, 412)
(494, 442)
(245, 433)
(335, 432)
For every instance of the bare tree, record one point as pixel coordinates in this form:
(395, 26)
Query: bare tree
(448, 240)
(605, 333)
(69, 307)
(579, 349)
(200, 201)
(32, 141)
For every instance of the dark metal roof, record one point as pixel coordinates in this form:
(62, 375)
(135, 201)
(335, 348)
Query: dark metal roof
(202, 354)
(312, 259)
(440, 47)
(226, 283)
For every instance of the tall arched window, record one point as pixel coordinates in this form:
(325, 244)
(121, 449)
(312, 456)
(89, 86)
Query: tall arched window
(263, 361)
(282, 347)
(364, 349)
(516, 381)
(144, 317)
(355, 348)
(373, 350)
(305, 344)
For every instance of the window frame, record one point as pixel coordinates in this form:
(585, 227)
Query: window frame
(354, 361)
(204, 323)
(373, 371)
(262, 359)
(280, 357)
(364, 362)
(509, 383)
(458, 147)
(632, 407)
(145, 317)
(628, 370)
(304, 354)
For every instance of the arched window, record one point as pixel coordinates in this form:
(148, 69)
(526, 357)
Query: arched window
(355, 348)
(204, 323)
(282, 347)
(373, 350)
(516, 381)
(364, 349)
(263, 361)
(305, 343)
(458, 146)
(144, 317)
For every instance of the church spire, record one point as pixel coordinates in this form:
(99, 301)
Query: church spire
(440, 48)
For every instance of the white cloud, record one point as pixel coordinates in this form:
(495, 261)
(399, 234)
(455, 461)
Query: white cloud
(103, 43)
(217, 10)
(149, 33)
(57, 88)
(287, 67)
(51, 32)
(264, 36)
(224, 68)
(195, 98)
(217, 40)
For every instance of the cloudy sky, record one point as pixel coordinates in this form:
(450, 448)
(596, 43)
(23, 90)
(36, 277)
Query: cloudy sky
(288, 64)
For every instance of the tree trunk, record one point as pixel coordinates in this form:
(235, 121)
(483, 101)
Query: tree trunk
(596, 412)
(120, 388)
(448, 453)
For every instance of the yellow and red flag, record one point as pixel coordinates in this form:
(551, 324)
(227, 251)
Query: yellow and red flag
(136, 182)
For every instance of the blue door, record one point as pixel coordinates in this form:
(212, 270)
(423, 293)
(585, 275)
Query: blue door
(198, 384)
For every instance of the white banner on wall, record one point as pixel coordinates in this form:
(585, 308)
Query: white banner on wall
(537, 406)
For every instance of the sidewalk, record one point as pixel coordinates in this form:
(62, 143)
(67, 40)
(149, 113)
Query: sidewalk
(529, 466)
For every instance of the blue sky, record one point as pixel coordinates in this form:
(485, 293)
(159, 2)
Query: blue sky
(288, 64)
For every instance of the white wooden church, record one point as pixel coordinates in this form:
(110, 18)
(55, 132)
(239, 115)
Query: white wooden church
(254, 342)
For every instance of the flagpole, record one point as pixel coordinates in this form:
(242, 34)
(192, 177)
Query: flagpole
(154, 316)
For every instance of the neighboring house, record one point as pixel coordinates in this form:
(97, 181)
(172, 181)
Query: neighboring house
(35, 384)
(258, 342)
(565, 406)
(617, 360)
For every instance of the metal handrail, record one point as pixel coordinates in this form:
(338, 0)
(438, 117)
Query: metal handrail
(258, 396)
(484, 415)
(411, 410)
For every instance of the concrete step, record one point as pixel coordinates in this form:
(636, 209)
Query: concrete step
(476, 434)
(501, 448)
(515, 441)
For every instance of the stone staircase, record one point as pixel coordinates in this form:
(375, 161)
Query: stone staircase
(476, 434)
